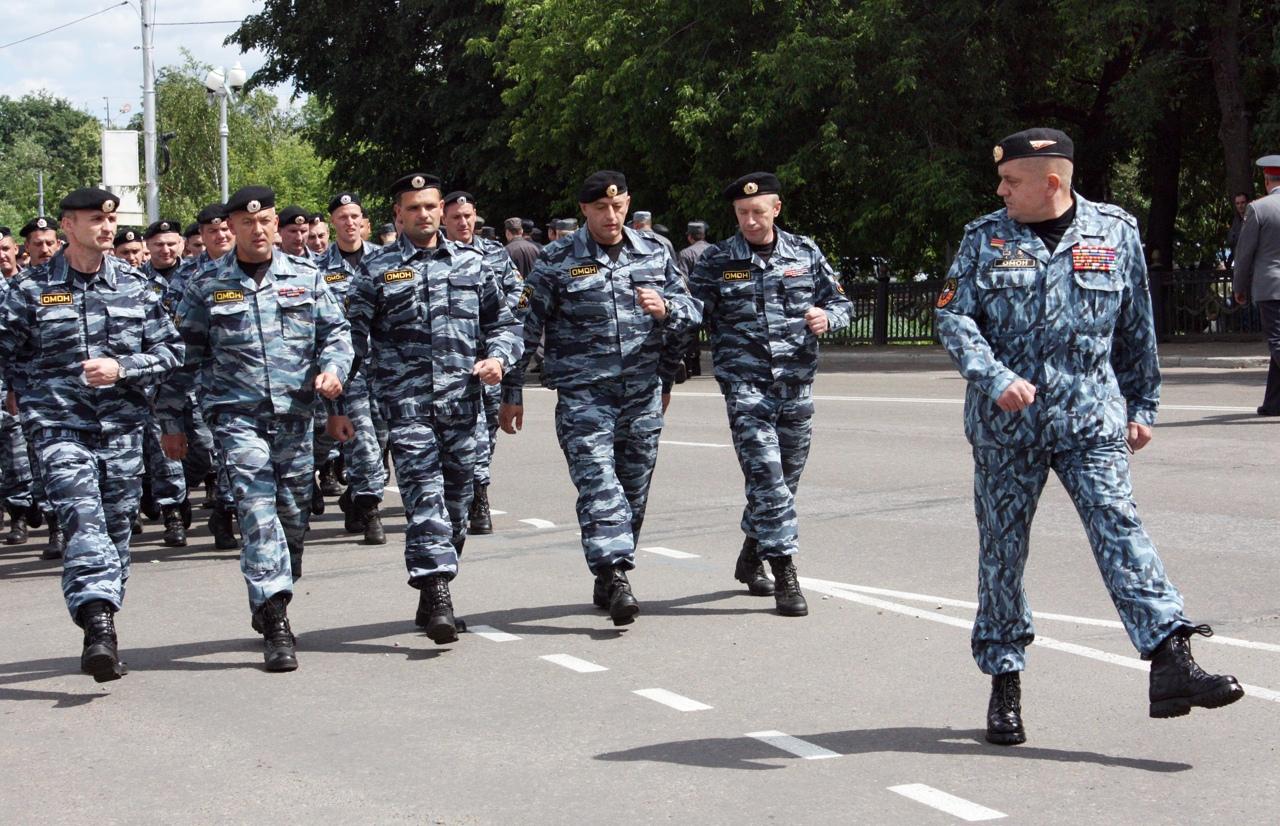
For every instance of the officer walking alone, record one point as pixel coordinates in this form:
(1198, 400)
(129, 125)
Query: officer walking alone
(766, 297)
(1046, 312)
(87, 334)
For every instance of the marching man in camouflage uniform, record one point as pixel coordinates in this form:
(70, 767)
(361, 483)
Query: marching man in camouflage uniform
(616, 314)
(343, 263)
(460, 224)
(85, 334)
(264, 334)
(422, 315)
(1046, 312)
(766, 297)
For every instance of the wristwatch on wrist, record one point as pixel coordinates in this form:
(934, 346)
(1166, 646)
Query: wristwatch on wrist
(122, 373)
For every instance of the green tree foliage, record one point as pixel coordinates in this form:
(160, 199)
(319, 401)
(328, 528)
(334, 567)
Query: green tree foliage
(43, 133)
(264, 146)
(878, 115)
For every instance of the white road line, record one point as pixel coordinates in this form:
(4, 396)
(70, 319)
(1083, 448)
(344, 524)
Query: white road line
(1192, 408)
(573, 663)
(491, 633)
(794, 745)
(822, 587)
(539, 523)
(671, 699)
(393, 488)
(496, 512)
(949, 803)
(671, 552)
(691, 444)
(973, 606)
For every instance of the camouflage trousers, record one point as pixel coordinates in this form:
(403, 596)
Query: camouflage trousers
(203, 457)
(609, 434)
(15, 464)
(268, 463)
(362, 456)
(487, 432)
(93, 482)
(167, 477)
(1007, 485)
(434, 460)
(772, 426)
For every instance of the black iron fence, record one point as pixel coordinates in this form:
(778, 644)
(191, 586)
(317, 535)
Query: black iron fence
(1189, 305)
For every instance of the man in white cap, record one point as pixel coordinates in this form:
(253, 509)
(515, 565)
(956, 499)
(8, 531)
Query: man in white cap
(1257, 271)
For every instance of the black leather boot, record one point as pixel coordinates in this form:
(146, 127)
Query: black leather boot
(787, 595)
(210, 493)
(435, 610)
(612, 583)
(57, 540)
(353, 517)
(224, 536)
(271, 620)
(328, 482)
(373, 531)
(100, 656)
(340, 469)
(750, 570)
(17, 526)
(185, 511)
(1177, 683)
(1004, 710)
(317, 501)
(175, 534)
(295, 564)
(35, 517)
(135, 528)
(481, 518)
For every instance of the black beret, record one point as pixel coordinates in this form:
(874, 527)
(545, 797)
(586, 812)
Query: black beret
(413, 182)
(127, 236)
(565, 224)
(294, 215)
(752, 184)
(212, 214)
(5, 232)
(342, 199)
(90, 198)
(192, 229)
(161, 226)
(314, 217)
(39, 223)
(606, 183)
(1033, 143)
(459, 197)
(696, 226)
(387, 229)
(251, 199)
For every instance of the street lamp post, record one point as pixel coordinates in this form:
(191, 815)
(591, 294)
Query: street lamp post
(222, 85)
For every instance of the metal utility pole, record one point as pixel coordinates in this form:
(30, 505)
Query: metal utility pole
(223, 134)
(149, 113)
(40, 189)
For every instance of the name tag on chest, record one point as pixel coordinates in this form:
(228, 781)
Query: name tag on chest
(1015, 262)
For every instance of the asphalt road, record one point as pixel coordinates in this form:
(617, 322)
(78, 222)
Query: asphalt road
(710, 708)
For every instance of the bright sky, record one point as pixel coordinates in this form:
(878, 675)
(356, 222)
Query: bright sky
(101, 57)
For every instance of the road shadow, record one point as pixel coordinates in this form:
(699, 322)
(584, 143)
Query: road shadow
(750, 754)
(527, 620)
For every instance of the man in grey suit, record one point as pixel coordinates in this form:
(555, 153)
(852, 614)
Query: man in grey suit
(1257, 271)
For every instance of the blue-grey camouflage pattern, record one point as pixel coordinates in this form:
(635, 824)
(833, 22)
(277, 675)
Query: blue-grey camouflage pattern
(88, 439)
(94, 482)
(269, 465)
(1075, 322)
(167, 476)
(765, 359)
(424, 318)
(610, 362)
(257, 349)
(434, 459)
(366, 477)
(511, 282)
(15, 464)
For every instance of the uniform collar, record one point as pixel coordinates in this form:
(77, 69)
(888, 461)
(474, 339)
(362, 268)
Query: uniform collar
(60, 270)
(783, 248)
(584, 246)
(408, 251)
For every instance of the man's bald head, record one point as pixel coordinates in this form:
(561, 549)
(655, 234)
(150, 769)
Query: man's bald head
(1035, 189)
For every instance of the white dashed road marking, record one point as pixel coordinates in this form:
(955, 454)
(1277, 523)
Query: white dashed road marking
(1190, 408)
(671, 552)
(491, 633)
(692, 444)
(573, 663)
(949, 803)
(794, 745)
(671, 699)
(539, 523)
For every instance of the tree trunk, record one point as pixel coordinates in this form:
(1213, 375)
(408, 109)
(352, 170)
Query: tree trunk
(1164, 163)
(1233, 130)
